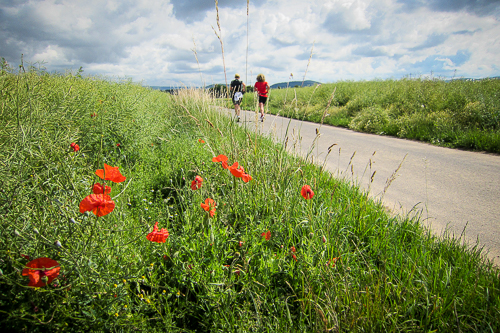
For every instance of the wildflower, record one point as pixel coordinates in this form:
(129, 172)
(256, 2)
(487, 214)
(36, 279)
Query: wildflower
(196, 183)
(307, 192)
(57, 243)
(158, 236)
(246, 178)
(293, 249)
(101, 189)
(41, 271)
(240, 243)
(239, 172)
(267, 235)
(118, 144)
(220, 158)
(294, 257)
(93, 115)
(75, 147)
(324, 239)
(110, 173)
(201, 141)
(99, 204)
(115, 285)
(209, 206)
(25, 256)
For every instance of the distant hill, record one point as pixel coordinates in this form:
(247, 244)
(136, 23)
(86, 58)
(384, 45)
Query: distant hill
(292, 84)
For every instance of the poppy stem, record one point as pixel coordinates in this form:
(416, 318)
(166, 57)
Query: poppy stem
(309, 204)
(235, 197)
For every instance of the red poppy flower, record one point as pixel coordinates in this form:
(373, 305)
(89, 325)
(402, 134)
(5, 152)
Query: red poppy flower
(246, 178)
(294, 257)
(196, 183)
(118, 144)
(209, 206)
(158, 236)
(110, 173)
(99, 204)
(235, 171)
(25, 256)
(74, 146)
(307, 192)
(38, 269)
(201, 141)
(267, 235)
(239, 172)
(225, 165)
(220, 158)
(240, 243)
(101, 189)
(293, 249)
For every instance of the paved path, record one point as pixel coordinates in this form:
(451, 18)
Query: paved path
(452, 189)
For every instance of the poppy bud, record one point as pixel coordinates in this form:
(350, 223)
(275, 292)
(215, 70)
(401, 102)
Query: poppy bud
(57, 243)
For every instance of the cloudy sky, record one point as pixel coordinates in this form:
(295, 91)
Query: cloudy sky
(152, 41)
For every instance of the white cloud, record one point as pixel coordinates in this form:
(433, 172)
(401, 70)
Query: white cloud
(152, 40)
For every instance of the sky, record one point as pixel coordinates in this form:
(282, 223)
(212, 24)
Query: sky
(176, 42)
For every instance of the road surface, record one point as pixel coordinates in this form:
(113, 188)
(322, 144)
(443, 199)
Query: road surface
(453, 190)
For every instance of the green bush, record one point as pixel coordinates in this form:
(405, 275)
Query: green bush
(370, 120)
(411, 105)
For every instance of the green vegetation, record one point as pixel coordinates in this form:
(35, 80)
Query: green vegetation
(336, 262)
(457, 114)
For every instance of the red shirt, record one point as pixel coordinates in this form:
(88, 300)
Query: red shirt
(261, 88)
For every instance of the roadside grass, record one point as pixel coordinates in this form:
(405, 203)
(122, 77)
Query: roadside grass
(336, 262)
(457, 114)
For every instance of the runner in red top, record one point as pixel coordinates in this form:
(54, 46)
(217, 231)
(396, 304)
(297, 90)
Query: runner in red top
(262, 88)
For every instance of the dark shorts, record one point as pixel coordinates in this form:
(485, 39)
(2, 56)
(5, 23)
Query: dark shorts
(238, 102)
(262, 99)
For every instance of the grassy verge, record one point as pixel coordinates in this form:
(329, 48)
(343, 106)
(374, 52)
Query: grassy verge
(267, 260)
(457, 114)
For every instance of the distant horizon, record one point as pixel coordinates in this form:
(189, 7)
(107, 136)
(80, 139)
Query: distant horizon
(295, 81)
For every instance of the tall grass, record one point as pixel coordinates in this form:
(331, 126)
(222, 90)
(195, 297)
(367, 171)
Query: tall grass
(458, 114)
(336, 262)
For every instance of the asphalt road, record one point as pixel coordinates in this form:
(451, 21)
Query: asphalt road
(453, 190)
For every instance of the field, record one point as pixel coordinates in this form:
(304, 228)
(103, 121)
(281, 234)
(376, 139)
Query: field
(283, 246)
(462, 114)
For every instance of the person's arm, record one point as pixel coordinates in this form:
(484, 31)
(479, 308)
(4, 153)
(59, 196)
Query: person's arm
(244, 86)
(267, 87)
